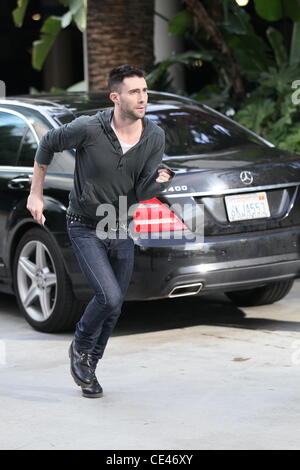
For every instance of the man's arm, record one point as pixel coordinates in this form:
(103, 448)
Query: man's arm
(68, 136)
(155, 176)
(35, 201)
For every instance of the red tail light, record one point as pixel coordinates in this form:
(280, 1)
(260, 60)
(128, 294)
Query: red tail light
(154, 216)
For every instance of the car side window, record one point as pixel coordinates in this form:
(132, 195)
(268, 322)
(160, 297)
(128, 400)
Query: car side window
(12, 130)
(27, 150)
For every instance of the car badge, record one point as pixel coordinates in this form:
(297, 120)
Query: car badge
(246, 177)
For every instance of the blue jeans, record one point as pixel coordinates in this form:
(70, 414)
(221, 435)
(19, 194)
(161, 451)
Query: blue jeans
(107, 265)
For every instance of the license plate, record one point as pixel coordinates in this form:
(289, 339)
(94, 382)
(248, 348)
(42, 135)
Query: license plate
(247, 206)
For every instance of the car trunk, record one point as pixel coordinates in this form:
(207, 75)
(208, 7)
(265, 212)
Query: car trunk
(243, 189)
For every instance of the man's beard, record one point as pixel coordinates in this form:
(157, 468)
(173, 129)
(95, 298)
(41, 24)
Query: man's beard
(130, 114)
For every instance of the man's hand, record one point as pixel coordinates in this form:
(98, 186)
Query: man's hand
(35, 205)
(164, 175)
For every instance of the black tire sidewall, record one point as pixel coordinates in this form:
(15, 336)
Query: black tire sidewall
(63, 293)
(265, 295)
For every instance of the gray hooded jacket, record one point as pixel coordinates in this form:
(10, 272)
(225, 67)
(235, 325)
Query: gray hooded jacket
(102, 171)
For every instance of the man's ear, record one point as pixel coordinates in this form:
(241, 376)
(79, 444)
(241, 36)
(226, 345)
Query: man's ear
(114, 97)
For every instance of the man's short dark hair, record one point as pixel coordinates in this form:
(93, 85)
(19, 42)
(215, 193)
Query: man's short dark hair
(117, 75)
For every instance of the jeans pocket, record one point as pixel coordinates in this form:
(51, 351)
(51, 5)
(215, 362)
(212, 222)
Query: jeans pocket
(78, 229)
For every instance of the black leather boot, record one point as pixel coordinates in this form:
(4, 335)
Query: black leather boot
(81, 366)
(94, 390)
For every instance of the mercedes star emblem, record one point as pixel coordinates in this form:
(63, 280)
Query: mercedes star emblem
(246, 177)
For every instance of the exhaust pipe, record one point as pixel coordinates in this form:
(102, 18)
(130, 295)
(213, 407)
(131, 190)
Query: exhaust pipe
(186, 289)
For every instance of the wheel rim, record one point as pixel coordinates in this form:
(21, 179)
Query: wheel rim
(37, 280)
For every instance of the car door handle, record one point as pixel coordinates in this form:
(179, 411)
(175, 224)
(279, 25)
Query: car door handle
(20, 182)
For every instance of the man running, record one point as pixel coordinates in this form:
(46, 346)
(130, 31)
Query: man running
(118, 154)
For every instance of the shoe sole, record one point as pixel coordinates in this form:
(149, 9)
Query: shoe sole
(78, 381)
(93, 395)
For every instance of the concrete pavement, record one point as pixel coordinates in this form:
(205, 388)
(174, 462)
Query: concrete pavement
(177, 374)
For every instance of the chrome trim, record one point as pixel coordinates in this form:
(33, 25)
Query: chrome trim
(20, 168)
(234, 191)
(246, 177)
(201, 269)
(184, 286)
(35, 107)
(24, 118)
(19, 102)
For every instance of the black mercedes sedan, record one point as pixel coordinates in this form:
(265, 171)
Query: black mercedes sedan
(244, 191)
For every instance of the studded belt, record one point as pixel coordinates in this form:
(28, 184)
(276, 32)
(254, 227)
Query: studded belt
(71, 217)
(81, 218)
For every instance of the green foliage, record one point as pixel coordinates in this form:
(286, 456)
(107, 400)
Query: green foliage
(159, 78)
(289, 140)
(274, 10)
(254, 115)
(269, 109)
(215, 96)
(277, 42)
(269, 65)
(19, 12)
(77, 12)
(294, 57)
(253, 54)
(41, 48)
(270, 10)
(181, 22)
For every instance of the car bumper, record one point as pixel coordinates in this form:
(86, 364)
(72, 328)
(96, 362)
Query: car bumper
(219, 264)
(194, 281)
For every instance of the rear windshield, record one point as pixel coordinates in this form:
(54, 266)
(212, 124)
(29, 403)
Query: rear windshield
(193, 130)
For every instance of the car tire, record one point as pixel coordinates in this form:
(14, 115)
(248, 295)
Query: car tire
(42, 286)
(264, 295)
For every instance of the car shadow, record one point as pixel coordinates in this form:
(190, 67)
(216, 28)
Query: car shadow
(166, 314)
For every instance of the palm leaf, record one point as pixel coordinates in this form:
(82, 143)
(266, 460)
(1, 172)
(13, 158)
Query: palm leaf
(19, 12)
(41, 48)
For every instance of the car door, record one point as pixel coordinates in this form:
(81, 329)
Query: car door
(18, 144)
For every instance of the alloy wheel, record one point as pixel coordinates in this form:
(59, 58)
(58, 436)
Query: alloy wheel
(37, 280)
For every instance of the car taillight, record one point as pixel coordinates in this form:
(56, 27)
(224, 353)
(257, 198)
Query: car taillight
(154, 216)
